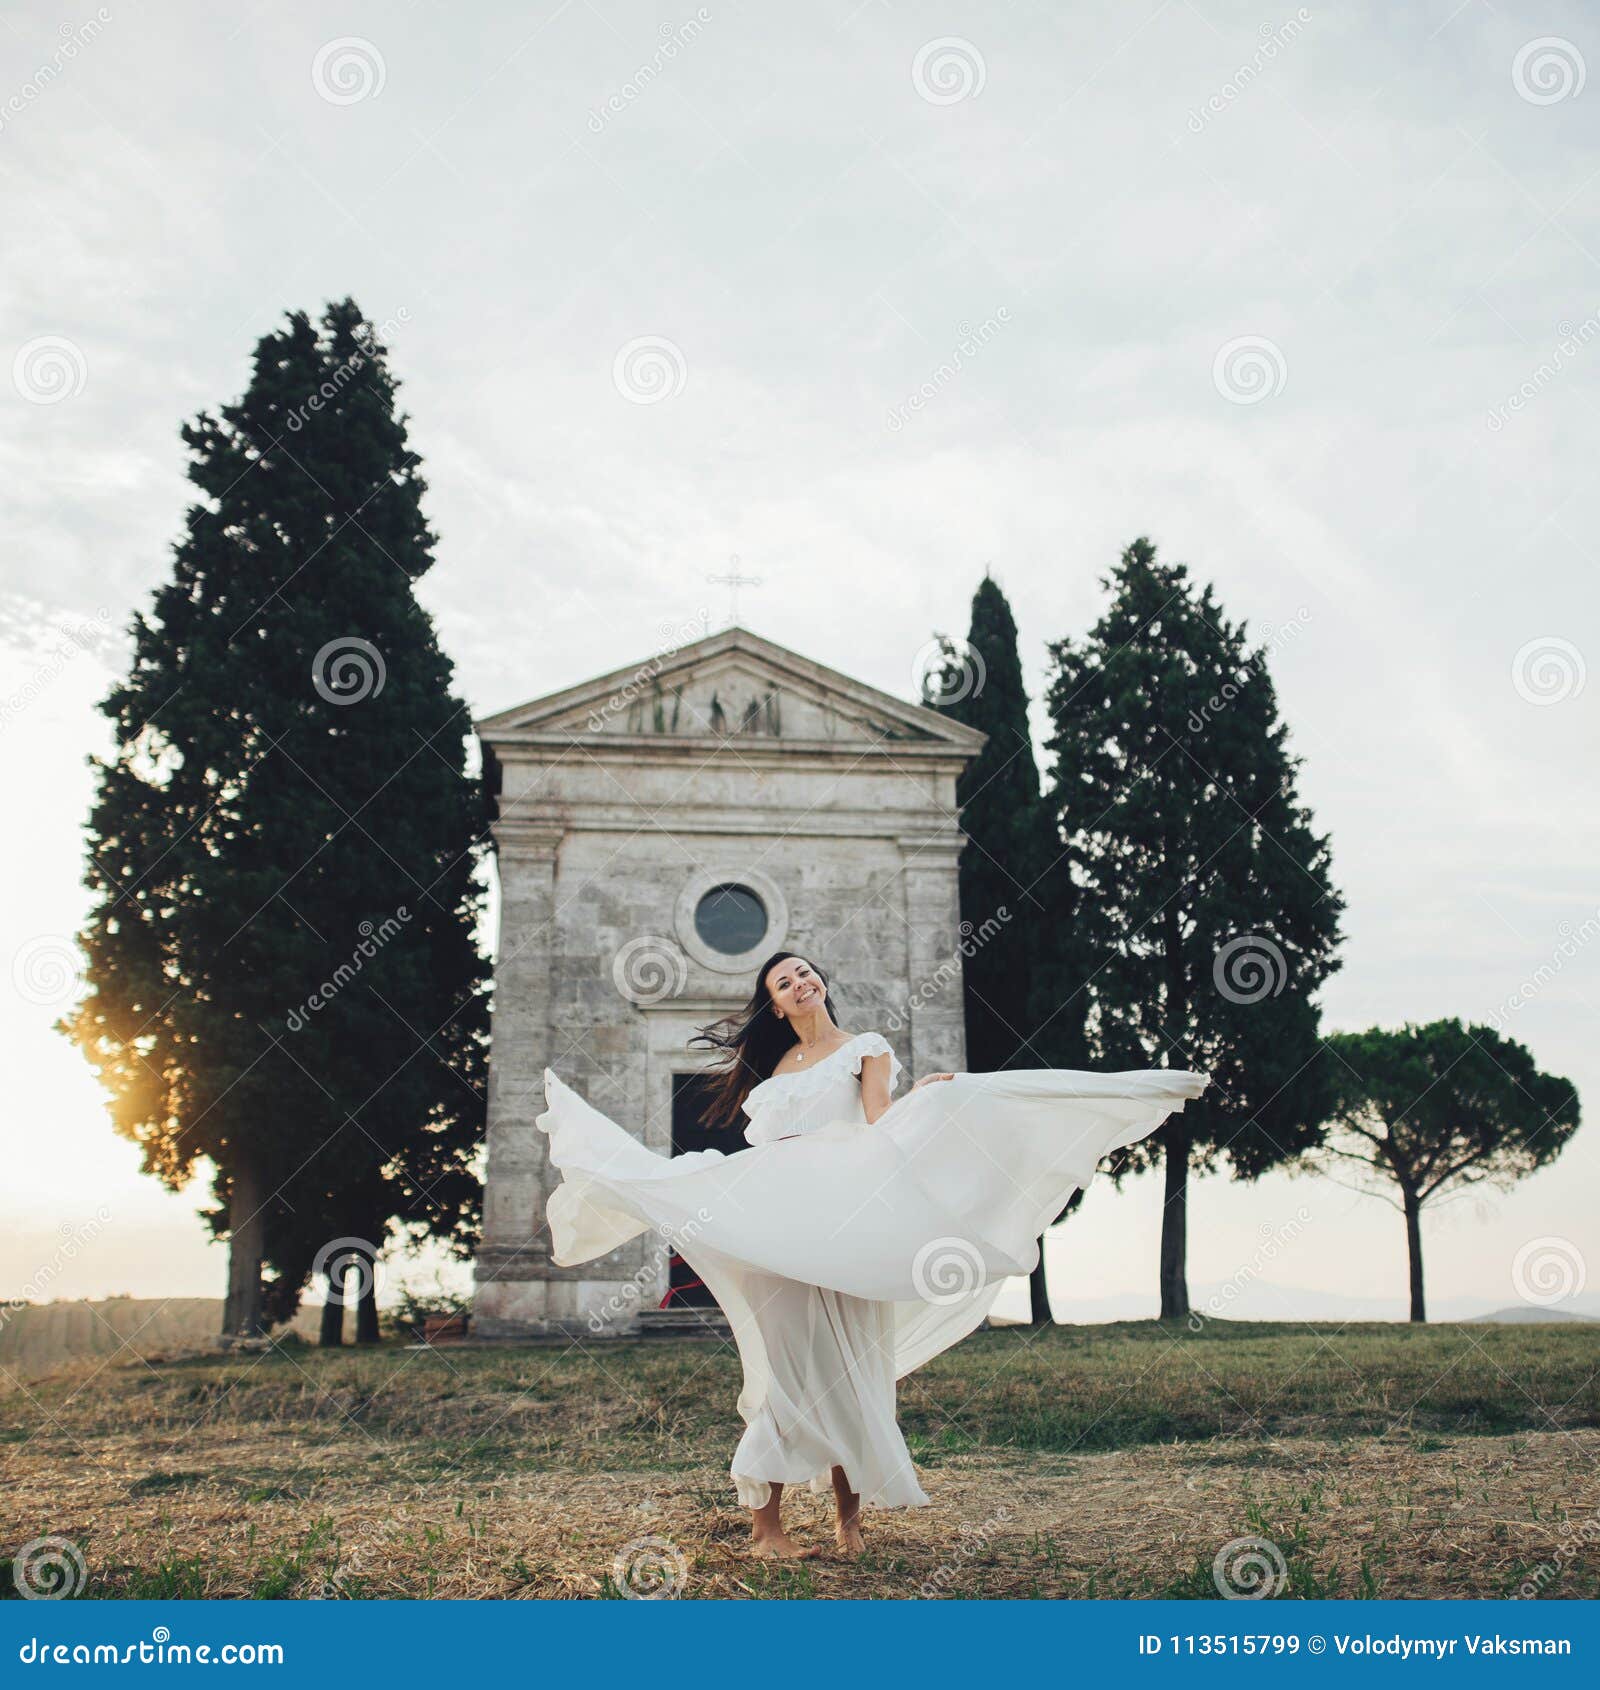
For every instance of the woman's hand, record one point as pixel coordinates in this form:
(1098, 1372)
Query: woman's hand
(928, 1078)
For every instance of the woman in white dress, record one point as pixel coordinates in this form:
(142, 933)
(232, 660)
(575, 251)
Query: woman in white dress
(858, 1236)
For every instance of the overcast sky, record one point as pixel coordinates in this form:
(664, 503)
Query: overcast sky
(869, 296)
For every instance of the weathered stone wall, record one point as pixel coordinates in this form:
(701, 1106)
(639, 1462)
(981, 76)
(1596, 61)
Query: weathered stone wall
(604, 845)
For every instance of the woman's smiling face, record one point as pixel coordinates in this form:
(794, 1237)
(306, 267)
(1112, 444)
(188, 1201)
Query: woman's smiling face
(795, 986)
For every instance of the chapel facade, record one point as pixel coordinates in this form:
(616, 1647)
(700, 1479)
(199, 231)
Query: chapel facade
(659, 831)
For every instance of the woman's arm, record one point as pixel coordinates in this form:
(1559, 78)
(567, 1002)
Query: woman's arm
(875, 1097)
(874, 1085)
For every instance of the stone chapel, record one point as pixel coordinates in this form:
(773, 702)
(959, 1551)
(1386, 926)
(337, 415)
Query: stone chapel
(659, 832)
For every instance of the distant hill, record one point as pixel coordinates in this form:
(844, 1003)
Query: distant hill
(40, 1337)
(1523, 1315)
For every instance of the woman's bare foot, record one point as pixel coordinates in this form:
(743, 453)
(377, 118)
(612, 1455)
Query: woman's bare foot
(768, 1540)
(847, 1530)
(779, 1546)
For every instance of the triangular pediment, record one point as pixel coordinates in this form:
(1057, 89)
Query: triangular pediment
(731, 685)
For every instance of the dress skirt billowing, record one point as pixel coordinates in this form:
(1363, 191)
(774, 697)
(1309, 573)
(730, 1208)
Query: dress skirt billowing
(848, 1256)
(830, 1398)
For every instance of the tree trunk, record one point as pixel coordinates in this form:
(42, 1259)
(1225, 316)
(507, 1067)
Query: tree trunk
(1039, 1293)
(1413, 1209)
(1177, 1135)
(367, 1302)
(247, 1236)
(332, 1334)
(1175, 1224)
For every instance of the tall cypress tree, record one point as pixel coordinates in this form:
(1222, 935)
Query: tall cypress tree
(1008, 865)
(1209, 892)
(282, 967)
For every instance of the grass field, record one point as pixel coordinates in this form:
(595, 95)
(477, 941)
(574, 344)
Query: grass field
(36, 1339)
(1077, 1462)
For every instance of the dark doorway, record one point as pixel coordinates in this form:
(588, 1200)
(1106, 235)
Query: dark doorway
(690, 1132)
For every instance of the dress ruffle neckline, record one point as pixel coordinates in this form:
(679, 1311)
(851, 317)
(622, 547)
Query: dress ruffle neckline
(807, 1082)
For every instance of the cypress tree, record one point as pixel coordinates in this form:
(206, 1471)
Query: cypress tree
(1008, 862)
(1207, 890)
(283, 974)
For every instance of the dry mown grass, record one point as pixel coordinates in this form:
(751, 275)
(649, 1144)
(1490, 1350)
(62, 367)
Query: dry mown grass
(1102, 1461)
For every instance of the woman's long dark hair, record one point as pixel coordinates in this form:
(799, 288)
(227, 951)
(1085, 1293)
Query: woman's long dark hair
(755, 1040)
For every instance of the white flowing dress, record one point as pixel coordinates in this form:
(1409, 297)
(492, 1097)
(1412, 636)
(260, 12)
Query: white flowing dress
(844, 1254)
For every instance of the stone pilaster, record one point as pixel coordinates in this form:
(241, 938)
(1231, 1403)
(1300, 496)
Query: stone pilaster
(933, 954)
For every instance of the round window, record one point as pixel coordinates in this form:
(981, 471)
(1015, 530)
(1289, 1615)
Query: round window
(731, 919)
